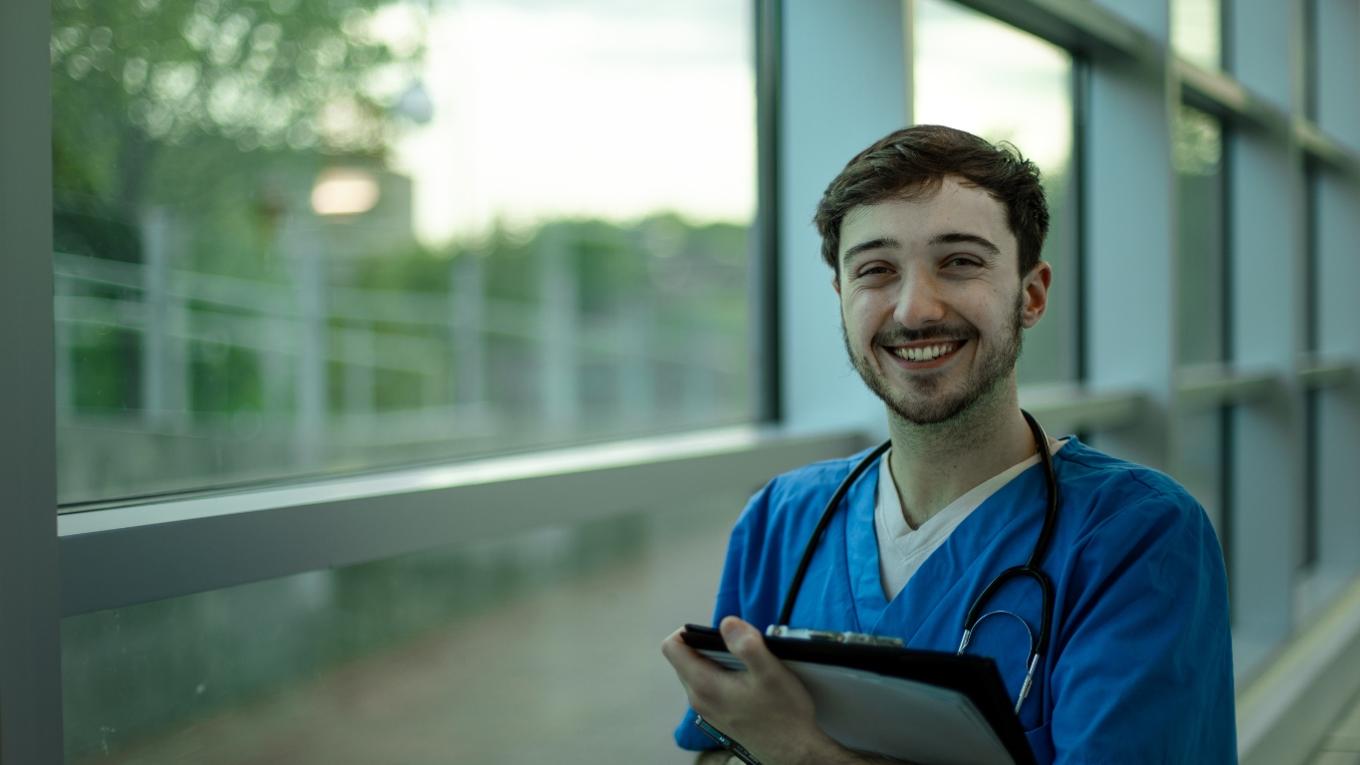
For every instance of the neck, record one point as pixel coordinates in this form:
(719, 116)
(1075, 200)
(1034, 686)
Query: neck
(933, 465)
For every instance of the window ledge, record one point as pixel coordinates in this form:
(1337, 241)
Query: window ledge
(125, 555)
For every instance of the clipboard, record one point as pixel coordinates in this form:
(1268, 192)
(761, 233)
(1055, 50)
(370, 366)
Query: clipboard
(880, 699)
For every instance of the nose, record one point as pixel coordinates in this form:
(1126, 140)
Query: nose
(919, 303)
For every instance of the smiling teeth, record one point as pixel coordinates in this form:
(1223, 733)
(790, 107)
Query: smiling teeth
(924, 353)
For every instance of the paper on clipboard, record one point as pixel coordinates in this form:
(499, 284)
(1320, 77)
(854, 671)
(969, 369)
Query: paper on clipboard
(869, 712)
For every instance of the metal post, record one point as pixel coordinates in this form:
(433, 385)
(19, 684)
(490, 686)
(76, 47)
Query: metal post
(312, 339)
(636, 370)
(30, 624)
(164, 360)
(558, 332)
(467, 312)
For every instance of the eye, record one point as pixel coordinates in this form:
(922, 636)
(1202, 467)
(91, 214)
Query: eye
(962, 261)
(872, 269)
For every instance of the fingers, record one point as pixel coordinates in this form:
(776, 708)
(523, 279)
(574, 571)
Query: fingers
(746, 643)
(696, 672)
(681, 656)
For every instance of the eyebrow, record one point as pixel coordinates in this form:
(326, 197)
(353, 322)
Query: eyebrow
(958, 237)
(951, 237)
(878, 243)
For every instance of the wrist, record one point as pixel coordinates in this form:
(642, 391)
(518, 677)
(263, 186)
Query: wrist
(821, 749)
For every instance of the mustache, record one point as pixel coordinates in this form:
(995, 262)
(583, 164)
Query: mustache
(902, 335)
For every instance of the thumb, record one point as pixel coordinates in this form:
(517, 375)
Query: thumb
(746, 643)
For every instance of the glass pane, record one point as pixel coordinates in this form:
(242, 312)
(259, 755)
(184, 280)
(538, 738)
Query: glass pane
(1198, 156)
(1312, 479)
(539, 648)
(306, 236)
(1197, 31)
(978, 74)
(1202, 464)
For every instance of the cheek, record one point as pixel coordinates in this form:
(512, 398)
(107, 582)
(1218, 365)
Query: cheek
(859, 318)
(988, 309)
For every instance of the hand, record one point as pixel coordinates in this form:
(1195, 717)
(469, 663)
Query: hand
(766, 708)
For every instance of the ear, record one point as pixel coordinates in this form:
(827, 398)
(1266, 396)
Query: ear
(1034, 288)
(836, 283)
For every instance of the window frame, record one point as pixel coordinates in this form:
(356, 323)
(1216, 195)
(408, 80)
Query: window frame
(122, 555)
(30, 654)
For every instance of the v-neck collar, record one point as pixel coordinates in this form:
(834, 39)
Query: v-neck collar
(1020, 500)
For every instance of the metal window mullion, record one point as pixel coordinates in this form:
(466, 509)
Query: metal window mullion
(1221, 94)
(1325, 149)
(30, 654)
(1071, 408)
(1081, 27)
(1317, 375)
(1211, 385)
(764, 274)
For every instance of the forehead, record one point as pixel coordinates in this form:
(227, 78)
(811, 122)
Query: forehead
(954, 207)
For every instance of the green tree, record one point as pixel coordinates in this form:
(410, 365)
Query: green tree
(148, 84)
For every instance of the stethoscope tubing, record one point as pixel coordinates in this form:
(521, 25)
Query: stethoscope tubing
(1031, 569)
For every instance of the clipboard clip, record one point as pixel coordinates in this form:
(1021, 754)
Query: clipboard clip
(827, 636)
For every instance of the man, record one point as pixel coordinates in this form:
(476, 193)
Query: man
(934, 237)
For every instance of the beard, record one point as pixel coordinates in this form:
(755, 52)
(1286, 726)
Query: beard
(924, 400)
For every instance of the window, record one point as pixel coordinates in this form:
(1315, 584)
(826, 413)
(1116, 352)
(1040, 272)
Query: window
(302, 237)
(1201, 302)
(1197, 31)
(1019, 89)
(1198, 155)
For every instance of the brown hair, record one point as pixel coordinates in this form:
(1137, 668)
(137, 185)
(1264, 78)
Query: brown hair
(914, 161)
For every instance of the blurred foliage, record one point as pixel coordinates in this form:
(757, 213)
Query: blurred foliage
(193, 134)
(152, 81)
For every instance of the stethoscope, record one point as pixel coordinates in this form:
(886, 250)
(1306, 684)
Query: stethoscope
(975, 616)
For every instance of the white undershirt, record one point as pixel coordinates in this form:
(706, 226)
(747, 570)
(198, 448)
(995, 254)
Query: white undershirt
(902, 550)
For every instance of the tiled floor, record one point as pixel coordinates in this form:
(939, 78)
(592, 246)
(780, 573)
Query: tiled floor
(1342, 744)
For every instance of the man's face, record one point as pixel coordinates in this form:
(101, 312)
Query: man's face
(932, 303)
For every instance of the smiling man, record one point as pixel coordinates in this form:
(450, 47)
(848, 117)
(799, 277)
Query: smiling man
(934, 239)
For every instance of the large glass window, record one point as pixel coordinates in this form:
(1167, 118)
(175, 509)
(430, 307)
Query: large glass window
(304, 236)
(975, 73)
(1201, 302)
(1197, 31)
(1201, 286)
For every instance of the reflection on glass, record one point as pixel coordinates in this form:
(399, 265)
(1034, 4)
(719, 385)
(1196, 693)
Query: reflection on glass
(978, 74)
(1198, 157)
(1197, 31)
(306, 236)
(1197, 154)
(537, 648)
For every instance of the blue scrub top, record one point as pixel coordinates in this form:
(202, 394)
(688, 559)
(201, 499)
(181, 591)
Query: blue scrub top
(1140, 658)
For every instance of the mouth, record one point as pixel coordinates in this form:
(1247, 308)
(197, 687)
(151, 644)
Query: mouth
(926, 355)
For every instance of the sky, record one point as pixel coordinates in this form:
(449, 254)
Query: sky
(615, 109)
(602, 109)
(980, 75)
